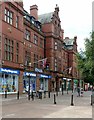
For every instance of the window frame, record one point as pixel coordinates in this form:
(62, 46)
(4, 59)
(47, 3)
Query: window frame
(35, 39)
(27, 34)
(8, 49)
(8, 16)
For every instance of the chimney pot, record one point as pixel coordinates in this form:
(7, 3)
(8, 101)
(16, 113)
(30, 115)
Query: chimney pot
(34, 11)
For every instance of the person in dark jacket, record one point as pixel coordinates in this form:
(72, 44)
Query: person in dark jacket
(78, 91)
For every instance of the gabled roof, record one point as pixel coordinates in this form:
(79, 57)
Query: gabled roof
(69, 41)
(45, 18)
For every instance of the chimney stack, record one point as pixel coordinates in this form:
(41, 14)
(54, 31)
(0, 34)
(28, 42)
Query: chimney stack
(75, 37)
(66, 37)
(34, 11)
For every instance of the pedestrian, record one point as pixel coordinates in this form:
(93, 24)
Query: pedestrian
(78, 91)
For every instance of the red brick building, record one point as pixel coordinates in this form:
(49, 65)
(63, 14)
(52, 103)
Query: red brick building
(11, 46)
(27, 42)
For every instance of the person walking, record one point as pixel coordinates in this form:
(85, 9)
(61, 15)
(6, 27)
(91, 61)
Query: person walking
(78, 91)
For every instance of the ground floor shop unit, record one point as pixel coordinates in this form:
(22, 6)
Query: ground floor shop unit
(9, 80)
(12, 81)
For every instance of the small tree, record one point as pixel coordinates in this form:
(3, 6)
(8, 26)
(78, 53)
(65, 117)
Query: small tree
(86, 60)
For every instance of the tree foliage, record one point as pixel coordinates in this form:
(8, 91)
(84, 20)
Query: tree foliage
(86, 60)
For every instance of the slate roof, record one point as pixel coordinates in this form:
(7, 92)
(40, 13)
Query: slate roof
(45, 18)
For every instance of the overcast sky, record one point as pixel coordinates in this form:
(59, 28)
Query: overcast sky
(75, 16)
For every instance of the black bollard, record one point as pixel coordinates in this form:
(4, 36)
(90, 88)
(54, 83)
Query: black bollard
(67, 90)
(91, 99)
(54, 99)
(44, 94)
(62, 90)
(28, 95)
(18, 95)
(72, 100)
(32, 96)
(5, 93)
(49, 94)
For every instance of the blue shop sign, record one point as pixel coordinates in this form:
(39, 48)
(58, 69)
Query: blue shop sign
(45, 76)
(29, 74)
(9, 71)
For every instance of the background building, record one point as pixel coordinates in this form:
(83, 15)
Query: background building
(34, 51)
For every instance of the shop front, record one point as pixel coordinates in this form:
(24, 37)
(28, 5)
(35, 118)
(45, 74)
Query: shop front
(29, 78)
(9, 80)
(44, 82)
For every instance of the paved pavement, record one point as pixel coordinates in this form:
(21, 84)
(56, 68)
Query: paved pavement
(45, 108)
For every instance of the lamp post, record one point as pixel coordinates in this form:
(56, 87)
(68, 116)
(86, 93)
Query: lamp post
(72, 85)
(29, 84)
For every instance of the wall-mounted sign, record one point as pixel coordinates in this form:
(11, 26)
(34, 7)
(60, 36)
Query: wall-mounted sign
(29, 74)
(45, 76)
(9, 71)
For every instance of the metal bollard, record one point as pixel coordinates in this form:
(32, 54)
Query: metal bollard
(5, 93)
(72, 100)
(32, 96)
(54, 99)
(49, 94)
(67, 90)
(44, 94)
(18, 95)
(62, 90)
(28, 95)
(91, 99)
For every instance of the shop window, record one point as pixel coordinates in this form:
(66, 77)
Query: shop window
(6, 76)
(26, 84)
(9, 82)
